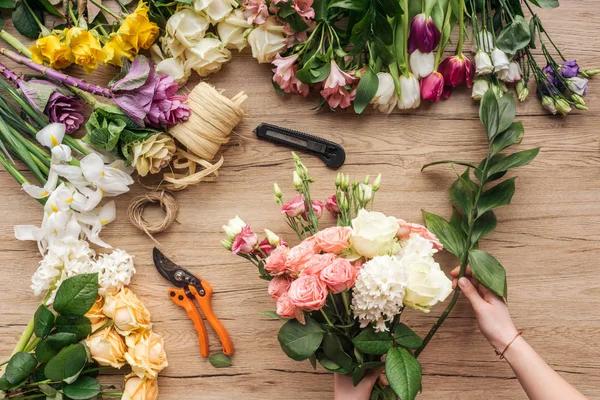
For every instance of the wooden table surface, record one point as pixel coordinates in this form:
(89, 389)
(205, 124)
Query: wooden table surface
(547, 239)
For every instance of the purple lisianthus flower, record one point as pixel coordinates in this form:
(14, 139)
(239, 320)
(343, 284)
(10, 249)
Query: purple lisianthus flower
(569, 69)
(167, 108)
(65, 109)
(424, 35)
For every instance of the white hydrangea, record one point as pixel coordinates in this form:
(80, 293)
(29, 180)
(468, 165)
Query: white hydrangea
(378, 293)
(115, 270)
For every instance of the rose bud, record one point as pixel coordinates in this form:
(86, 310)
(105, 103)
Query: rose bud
(432, 87)
(424, 35)
(137, 388)
(457, 70)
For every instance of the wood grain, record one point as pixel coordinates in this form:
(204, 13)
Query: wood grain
(547, 239)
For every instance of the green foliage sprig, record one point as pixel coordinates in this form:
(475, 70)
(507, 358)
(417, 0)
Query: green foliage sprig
(474, 196)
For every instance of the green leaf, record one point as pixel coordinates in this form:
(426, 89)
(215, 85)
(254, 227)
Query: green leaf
(515, 160)
(406, 337)
(49, 8)
(44, 352)
(76, 324)
(354, 5)
(7, 4)
(24, 21)
(300, 341)
(52, 344)
(333, 349)
(515, 36)
(67, 364)
(483, 225)
(488, 271)
(545, 3)
(219, 360)
(462, 193)
(328, 364)
(367, 87)
(314, 71)
(370, 342)
(499, 195)
(403, 371)
(452, 239)
(19, 367)
(43, 321)
(513, 135)
(507, 109)
(85, 387)
(76, 295)
(4, 384)
(489, 113)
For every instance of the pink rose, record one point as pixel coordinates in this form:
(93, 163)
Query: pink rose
(333, 240)
(294, 207)
(332, 206)
(244, 241)
(285, 308)
(278, 286)
(406, 228)
(338, 88)
(339, 275)
(308, 293)
(317, 263)
(299, 255)
(275, 263)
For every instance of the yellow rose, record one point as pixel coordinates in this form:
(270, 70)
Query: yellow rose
(96, 315)
(85, 47)
(137, 388)
(116, 49)
(107, 347)
(127, 311)
(52, 51)
(146, 354)
(137, 30)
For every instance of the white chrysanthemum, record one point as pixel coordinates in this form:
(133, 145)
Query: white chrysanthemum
(115, 270)
(378, 293)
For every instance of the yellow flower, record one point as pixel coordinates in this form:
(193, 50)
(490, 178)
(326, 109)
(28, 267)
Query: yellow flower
(146, 354)
(107, 348)
(137, 388)
(95, 314)
(85, 47)
(127, 311)
(52, 51)
(116, 49)
(137, 30)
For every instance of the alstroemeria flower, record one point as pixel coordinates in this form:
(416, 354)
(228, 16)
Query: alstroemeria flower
(432, 87)
(457, 70)
(112, 181)
(410, 92)
(304, 8)
(385, 100)
(284, 75)
(483, 63)
(422, 64)
(337, 89)
(424, 35)
(51, 135)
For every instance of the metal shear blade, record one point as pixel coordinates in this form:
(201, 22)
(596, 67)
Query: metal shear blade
(175, 274)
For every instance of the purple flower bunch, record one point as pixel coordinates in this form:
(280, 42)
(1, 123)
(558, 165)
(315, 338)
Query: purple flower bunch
(562, 87)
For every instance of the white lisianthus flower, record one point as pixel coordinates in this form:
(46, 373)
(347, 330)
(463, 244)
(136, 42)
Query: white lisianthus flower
(512, 74)
(207, 56)
(267, 40)
(373, 233)
(233, 30)
(216, 10)
(410, 92)
(385, 99)
(378, 292)
(422, 64)
(480, 86)
(483, 63)
(426, 283)
(578, 85)
(233, 227)
(500, 60)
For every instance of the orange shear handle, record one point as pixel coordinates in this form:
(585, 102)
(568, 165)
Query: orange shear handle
(179, 297)
(205, 303)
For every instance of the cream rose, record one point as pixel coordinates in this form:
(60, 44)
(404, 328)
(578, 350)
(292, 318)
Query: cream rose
(184, 29)
(107, 348)
(232, 30)
(426, 282)
(216, 10)
(137, 388)
(146, 354)
(267, 40)
(175, 68)
(373, 234)
(207, 56)
(96, 315)
(127, 311)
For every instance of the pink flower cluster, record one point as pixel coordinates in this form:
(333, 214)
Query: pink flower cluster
(297, 207)
(246, 242)
(304, 275)
(284, 75)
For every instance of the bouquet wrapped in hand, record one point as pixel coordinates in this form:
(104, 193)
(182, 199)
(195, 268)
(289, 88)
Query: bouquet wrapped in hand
(343, 289)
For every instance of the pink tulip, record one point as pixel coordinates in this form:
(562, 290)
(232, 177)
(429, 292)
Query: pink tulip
(244, 242)
(337, 89)
(294, 207)
(432, 87)
(424, 35)
(457, 70)
(284, 75)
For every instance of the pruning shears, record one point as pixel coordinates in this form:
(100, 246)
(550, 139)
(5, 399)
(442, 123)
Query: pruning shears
(189, 288)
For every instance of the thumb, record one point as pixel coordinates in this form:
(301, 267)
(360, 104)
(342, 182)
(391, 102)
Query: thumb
(470, 292)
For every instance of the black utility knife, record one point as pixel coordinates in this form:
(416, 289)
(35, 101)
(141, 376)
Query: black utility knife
(332, 154)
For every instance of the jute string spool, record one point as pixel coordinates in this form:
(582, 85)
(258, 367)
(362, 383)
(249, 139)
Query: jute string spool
(138, 206)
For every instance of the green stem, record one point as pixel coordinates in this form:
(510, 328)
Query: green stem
(25, 338)
(405, 27)
(441, 46)
(327, 319)
(461, 27)
(15, 43)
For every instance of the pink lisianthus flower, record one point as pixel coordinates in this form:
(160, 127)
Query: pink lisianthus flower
(316, 263)
(275, 262)
(337, 89)
(408, 228)
(338, 275)
(286, 309)
(334, 239)
(304, 8)
(308, 293)
(298, 256)
(317, 207)
(256, 11)
(244, 242)
(278, 286)
(284, 75)
(332, 206)
(294, 207)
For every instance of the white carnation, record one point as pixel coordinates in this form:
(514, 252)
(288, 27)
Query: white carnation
(378, 293)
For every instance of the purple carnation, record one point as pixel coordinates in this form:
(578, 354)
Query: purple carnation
(569, 69)
(167, 108)
(65, 109)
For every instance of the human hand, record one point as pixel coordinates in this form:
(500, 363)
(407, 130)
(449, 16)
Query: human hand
(490, 310)
(344, 389)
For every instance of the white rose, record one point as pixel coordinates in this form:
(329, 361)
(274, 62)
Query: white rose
(174, 67)
(385, 99)
(373, 234)
(422, 64)
(232, 30)
(207, 56)
(266, 41)
(426, 282)
(483, 63)
(184, 29)
(216, 10)
(233, 227)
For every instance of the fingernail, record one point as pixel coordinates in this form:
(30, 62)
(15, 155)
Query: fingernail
(462, 282)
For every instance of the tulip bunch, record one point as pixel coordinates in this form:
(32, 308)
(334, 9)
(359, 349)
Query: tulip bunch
(344, 289)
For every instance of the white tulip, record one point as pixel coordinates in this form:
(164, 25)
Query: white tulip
(267, 40)
(500, 60)
(385, 99)
(51, 135)
(410, 93)
(480, 87)
(216, 10)
(422, 64)
(483, 63)
(206, 57)
(232, 30)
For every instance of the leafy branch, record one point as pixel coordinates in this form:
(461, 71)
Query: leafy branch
(474, 196)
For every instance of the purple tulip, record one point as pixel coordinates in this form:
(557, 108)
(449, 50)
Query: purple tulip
(65, 109)
(569, 69)
(424, 35)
